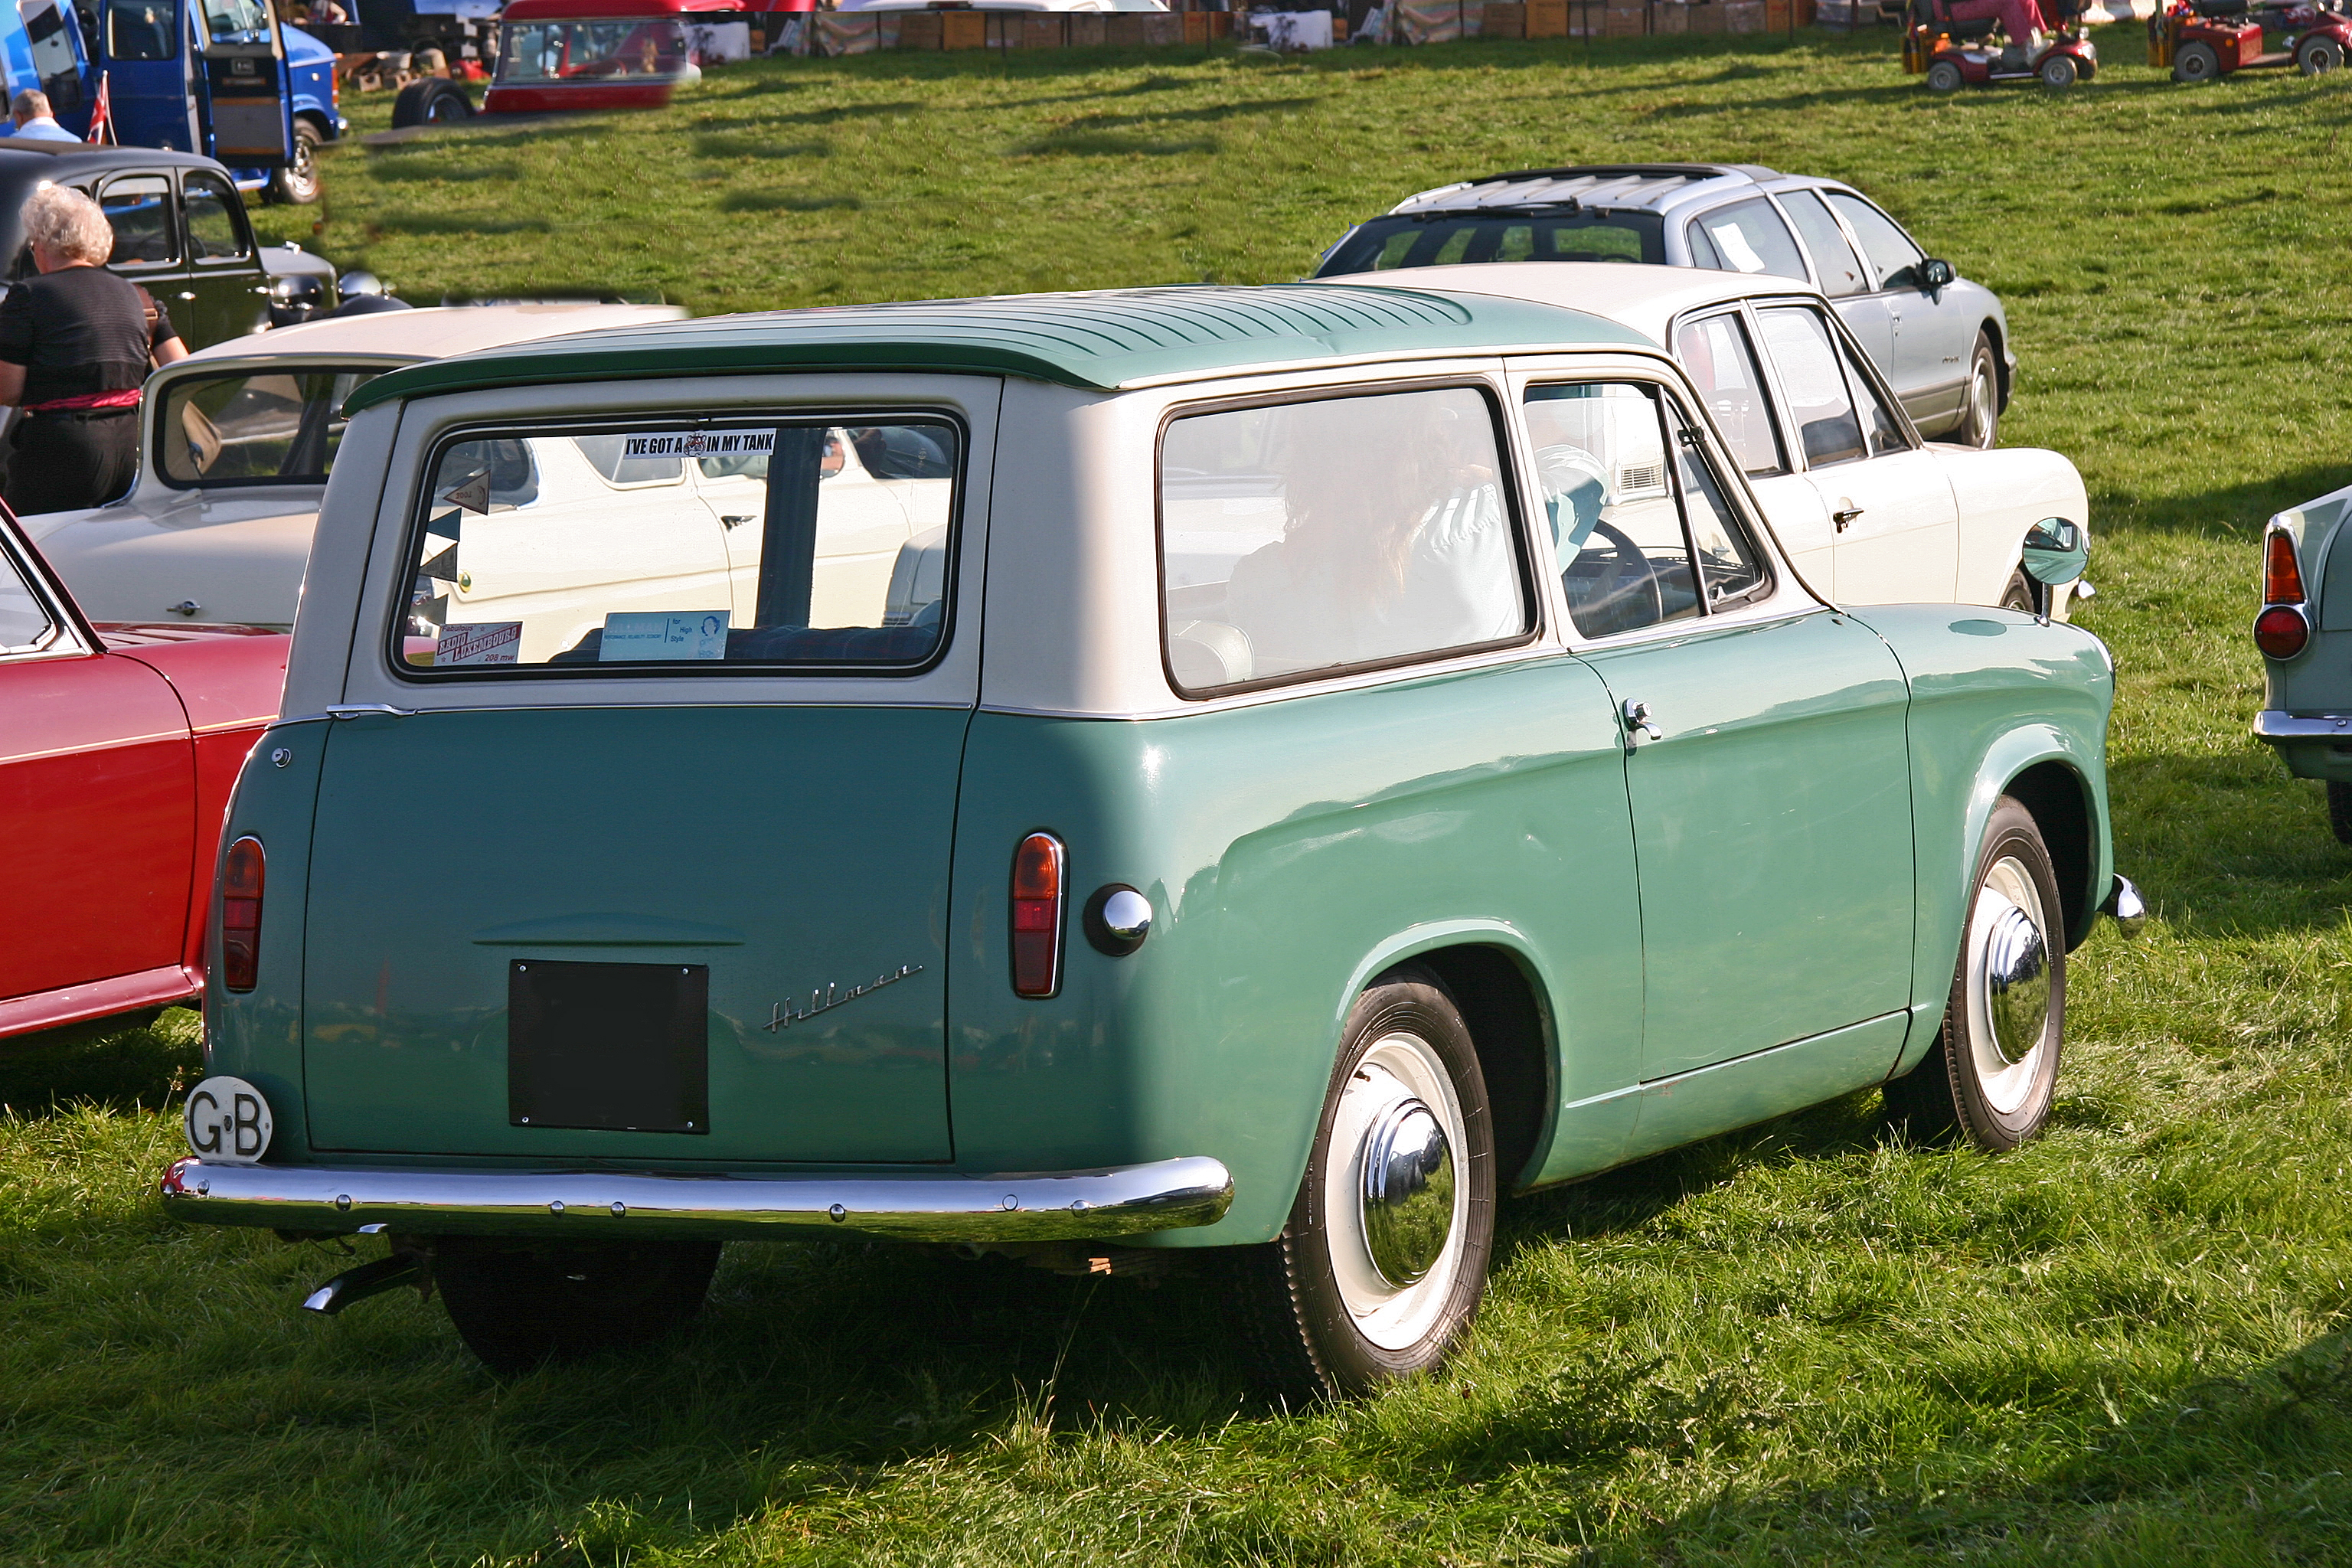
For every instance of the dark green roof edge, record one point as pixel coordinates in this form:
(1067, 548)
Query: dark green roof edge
(1097, 341)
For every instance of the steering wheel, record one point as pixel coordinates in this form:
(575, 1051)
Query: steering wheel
(1621, 585)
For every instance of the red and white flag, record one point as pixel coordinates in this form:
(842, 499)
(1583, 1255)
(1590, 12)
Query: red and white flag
(101, 117)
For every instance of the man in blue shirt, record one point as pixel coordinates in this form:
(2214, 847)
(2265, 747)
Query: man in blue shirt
(29, 118)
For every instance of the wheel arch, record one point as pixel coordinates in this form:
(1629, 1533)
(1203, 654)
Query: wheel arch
(1493, 974)
(322, 123)
(2038, 766)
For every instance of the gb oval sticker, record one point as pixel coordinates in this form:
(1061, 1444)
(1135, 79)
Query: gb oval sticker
(227, 1121)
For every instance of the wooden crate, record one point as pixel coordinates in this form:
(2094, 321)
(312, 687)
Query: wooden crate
(920, 30)
(1706, 16)
(1779, 16)
(1672, 16)
(1624, 21)
(1546, 18)
(1743, 15)
(963, 30)
(1043, 32)
(1503, 19)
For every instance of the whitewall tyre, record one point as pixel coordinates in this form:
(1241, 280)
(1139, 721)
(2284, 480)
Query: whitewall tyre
(1383, 1262)
(1993, 1071)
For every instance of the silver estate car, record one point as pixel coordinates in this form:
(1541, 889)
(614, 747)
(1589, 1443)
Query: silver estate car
(1941, 342)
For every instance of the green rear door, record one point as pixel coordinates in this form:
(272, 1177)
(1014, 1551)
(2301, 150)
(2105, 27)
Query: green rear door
(648, 864)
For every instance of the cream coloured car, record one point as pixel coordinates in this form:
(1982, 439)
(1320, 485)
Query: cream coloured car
(236, 444)
(1871, 513)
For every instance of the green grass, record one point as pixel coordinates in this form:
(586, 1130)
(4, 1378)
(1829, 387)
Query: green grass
(2125, 1344)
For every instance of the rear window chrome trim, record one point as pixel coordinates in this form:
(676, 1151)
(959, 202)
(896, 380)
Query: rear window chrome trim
(622, 421)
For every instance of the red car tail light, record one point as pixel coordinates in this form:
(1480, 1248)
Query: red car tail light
(2282, 571)
(2281, 631)
(240, 944)
(1037, 916)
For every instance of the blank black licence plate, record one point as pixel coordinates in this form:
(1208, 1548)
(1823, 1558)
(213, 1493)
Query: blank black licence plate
(619, 1046)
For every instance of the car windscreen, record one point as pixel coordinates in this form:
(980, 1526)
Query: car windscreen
(255, 426)
(1442, 239)
(683, 547)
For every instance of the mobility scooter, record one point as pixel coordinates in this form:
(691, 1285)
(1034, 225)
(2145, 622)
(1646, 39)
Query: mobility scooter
(2201, 39)
(1956, 54)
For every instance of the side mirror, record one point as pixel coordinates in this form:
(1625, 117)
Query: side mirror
(1935, 275)
(2054, 554)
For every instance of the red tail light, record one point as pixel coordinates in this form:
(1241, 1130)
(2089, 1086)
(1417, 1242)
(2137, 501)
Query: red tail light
(2281, 631)
(1037, 916)
(2281, 573)
(240, 943)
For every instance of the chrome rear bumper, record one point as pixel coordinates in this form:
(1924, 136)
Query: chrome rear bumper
(613, 1206)
(2271, 724)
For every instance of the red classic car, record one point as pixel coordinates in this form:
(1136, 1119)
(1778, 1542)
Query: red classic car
(117, 747)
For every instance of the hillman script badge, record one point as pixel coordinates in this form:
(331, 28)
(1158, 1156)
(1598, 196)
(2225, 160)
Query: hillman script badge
(832, 996)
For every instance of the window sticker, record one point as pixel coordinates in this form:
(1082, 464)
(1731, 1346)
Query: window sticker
(491, 642)
(701, 444)
(1735, 247)
(636, 635)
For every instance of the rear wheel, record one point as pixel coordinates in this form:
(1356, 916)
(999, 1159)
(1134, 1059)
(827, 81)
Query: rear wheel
(2196, 62)
(2059, 71)
(436, 101)
(2339, 810)
(1994, 1067)
(1943, 76)
(1981, 410)
(1383, 1262)
(2318, 57)
(2019, 594)
(515, 1305)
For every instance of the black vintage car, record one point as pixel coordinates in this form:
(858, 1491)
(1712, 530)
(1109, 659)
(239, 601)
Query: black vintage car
(180, 231)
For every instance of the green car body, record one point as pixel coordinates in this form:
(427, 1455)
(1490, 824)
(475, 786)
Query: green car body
(1652, 937)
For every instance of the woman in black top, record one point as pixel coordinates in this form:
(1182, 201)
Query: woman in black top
(76, 345)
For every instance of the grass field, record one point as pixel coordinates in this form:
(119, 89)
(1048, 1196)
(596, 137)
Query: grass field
(2125, 1344)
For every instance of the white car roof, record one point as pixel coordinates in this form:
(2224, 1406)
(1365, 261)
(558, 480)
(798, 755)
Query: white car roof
(1634, 294)
(432, 332)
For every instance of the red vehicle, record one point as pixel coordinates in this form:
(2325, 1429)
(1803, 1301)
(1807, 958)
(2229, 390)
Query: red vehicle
(2201, 39)
(596, 54)
(1956, 54)
(118, 748)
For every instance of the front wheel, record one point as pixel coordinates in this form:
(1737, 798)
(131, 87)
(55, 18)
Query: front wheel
(515, 1305)
(298, 183)
(2019, 594)
(2059, 71)
(2196, 62)
(1944, 77)
(1981, 411)
(2318, 57)
(1993, 1071)
(1383, 1261)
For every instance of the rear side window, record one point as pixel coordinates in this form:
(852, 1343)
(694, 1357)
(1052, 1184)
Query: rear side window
(685, 548)
(1308, 539)
(1745, 237)
(140, 209)
(216, 232)
(1820, 404)
(1841, 271)
(255, 427)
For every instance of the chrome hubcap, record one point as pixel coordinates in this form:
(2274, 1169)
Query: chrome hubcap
(1408, 1192)
(2008, 985)
(1394, 1196)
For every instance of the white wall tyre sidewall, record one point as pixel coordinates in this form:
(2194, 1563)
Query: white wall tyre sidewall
(1392, 1318)
(2007, 1087)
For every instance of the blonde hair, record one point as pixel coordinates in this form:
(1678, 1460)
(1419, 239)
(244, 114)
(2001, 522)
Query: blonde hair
(67, 224)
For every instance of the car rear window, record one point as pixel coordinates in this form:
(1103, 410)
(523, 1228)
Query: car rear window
(1445, 239)
(684, 547)
(270, 427)
(1312, 538)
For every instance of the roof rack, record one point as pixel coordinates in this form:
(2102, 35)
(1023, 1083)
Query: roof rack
(1646, 171)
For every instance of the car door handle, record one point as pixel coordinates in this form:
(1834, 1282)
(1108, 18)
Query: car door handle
(366, 710)
(1637, 721)
(1847, 511)
(185, 294)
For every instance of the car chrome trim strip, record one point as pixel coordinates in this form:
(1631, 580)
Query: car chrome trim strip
(1127, 1200)
(2271, 724)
